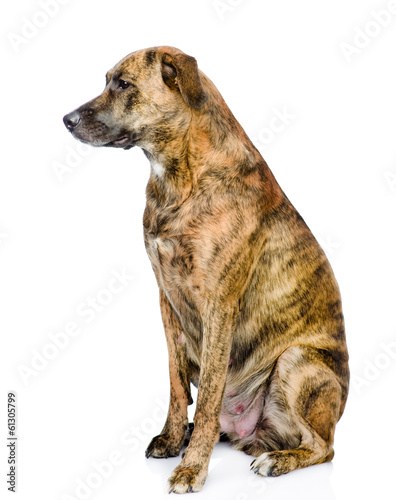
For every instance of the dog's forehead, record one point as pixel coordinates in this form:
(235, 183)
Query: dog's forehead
(143, 61)
(135, 63)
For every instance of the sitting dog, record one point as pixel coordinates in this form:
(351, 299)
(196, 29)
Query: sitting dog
(251, 309)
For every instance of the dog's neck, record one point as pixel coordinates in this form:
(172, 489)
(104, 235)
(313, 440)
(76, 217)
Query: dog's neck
(212, 140)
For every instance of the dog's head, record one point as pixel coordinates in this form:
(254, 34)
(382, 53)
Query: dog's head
(147, 95)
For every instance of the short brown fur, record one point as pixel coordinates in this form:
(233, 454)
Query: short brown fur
(251, 309)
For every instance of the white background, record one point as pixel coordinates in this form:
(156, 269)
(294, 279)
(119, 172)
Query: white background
(62, 237)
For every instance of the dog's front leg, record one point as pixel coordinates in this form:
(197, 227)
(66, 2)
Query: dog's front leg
(190, 475)
(169, 442)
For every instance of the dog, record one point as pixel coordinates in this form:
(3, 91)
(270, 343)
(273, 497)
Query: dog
(251, 309)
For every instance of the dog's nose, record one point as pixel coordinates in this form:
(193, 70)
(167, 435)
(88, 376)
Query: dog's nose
(72, 120)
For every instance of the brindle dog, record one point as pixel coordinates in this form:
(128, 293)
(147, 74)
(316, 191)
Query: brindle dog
(251, 309)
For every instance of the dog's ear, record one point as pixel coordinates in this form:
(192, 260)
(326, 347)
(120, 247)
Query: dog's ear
(181, 71)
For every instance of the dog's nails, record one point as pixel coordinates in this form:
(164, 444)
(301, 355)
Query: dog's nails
(148, 453)
(170, 491)
(251, 465)
(256, 470)
(189, 489)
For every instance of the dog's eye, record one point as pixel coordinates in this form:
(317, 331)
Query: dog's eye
(122, 84)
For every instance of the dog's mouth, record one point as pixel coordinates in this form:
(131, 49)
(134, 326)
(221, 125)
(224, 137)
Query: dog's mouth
(124, 141)
(98, 134)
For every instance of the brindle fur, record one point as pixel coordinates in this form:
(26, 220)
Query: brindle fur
(251, 309)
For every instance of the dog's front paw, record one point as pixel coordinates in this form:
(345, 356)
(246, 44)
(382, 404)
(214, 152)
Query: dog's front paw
(163, 446)
(187, 478)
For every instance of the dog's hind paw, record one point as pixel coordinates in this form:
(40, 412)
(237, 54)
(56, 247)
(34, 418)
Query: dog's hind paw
(265, 465)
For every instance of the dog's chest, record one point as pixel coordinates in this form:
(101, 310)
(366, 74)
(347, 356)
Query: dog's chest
(177, 271)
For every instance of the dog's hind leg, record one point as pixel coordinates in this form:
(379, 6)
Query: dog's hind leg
(170, 441)
(304, 401)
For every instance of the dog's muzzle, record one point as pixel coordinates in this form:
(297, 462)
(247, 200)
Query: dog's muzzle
(79, 122)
